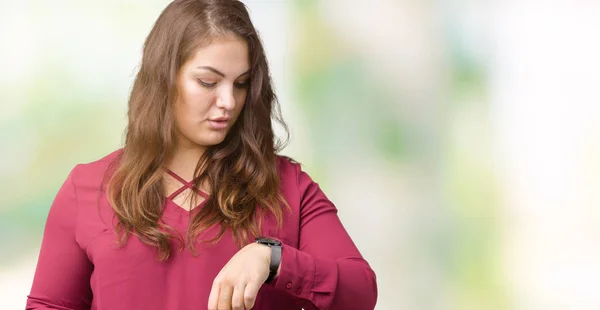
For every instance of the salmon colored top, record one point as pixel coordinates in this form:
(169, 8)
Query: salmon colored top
(81, 267)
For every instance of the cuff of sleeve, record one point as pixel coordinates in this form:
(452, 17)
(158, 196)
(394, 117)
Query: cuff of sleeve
(307, 277)
(297, 272)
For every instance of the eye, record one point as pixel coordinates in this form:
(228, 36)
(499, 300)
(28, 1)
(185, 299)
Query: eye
(206, 84)
(242, 84)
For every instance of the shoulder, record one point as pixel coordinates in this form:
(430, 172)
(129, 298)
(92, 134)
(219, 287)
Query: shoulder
(303, 194)
(288, 169)
(293, 179)
(93, 173)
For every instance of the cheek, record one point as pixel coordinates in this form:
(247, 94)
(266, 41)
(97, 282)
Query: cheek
(195, 100)
(241, 101)
(181, 116)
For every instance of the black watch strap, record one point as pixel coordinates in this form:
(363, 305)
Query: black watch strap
(275, 246)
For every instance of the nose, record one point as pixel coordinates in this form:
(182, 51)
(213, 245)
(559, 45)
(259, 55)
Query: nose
(226, 99)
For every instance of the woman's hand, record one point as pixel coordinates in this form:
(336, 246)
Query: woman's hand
(237, 284)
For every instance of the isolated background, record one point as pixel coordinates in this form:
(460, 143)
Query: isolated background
(460, 140)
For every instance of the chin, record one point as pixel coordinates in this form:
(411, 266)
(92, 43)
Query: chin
(209, 141)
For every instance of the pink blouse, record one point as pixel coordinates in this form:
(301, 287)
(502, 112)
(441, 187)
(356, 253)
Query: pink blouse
(81, 267)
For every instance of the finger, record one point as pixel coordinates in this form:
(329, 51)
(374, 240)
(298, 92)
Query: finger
(213, 298)
(225, 297)
(250, 294)
(237, 299)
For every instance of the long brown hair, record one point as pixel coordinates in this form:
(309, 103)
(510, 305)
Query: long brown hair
(241, 171)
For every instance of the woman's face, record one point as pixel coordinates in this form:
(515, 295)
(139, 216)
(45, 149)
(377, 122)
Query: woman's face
(212, 88)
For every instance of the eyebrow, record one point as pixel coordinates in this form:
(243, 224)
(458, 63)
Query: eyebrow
(219, 72)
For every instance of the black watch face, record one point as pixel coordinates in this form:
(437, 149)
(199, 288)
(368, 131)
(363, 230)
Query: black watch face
(268, 241)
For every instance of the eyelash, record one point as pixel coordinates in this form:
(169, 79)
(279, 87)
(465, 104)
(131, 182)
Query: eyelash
(211, 85)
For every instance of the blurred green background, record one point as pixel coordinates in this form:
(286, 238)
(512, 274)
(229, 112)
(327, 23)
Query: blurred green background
(459, 139)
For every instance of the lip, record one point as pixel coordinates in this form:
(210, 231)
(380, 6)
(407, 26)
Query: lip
(220, 119)
(219, 123)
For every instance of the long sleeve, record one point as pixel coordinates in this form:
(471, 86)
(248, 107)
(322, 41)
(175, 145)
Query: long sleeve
(327, 269)
(62, 276)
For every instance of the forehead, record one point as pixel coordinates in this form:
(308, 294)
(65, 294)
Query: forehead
(227, 54)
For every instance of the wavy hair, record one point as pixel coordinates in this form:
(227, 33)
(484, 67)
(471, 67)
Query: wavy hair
(241, 171)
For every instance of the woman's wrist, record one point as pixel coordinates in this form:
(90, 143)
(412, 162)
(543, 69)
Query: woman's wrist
(273, 257)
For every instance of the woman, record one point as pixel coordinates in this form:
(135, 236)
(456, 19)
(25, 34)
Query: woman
(170, 221)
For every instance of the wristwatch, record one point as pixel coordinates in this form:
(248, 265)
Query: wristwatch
(275, 246)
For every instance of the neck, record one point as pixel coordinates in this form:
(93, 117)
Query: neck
(185, 159)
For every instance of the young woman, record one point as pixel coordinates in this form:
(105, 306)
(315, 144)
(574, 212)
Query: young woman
(198, 211)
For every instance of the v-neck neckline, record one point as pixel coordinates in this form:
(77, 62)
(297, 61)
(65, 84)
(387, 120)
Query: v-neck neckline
(186, 185)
